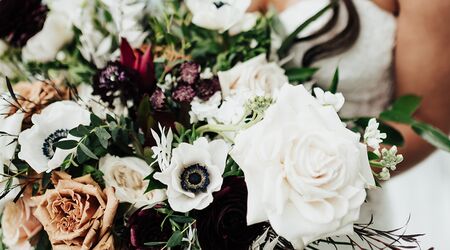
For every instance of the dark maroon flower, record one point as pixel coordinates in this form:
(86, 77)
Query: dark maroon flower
(207, 88)
(189, 72)
(20, 20)
(115, 81)
(142, 63)
(145, 226)
(158, 100)
(183, 93)
(223, 224)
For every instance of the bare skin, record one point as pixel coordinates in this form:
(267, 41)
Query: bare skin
(422, 64)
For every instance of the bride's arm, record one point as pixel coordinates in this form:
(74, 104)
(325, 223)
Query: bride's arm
(423, 68)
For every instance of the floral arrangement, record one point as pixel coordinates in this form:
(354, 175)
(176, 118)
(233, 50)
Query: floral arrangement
(132, 124)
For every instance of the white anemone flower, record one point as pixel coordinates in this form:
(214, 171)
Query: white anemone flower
(206, 12)
(49, 127)
(195, 172)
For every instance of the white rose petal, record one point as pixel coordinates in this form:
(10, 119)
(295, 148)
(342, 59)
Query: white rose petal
(202, 161)
(247, 22)
(206, 12)
(305, 172)
(126, 175)
(327, 98)
(256, 75)
(45, 45)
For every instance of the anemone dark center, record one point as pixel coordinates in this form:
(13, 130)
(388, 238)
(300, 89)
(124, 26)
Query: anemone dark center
(195, 179)
(48, 148)
(219, 4)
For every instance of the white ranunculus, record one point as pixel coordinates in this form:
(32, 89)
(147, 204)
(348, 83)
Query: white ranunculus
(49, 127)
(327, 98)
(256, 75)
(195, 172)
(247, 22)
(217, 14)
(44, 46)
(305, 172)
(205, 110)
(126, 175)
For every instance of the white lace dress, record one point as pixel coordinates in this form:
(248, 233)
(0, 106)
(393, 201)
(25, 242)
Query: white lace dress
(366, 80)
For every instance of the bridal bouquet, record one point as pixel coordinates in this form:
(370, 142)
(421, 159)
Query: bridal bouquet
(131, 124)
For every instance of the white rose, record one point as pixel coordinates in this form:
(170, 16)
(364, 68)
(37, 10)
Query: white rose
(126, 175)
(247, 23)
(45, 45)
(217, 14)
(195, 172)
(306, 173)
(256, 75)
(327, 98)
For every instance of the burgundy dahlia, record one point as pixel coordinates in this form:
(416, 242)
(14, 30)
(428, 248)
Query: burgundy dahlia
(207, 88)
(20, 20)
(223, 224)
(115, 81)
(145, 226)
(190, 72)
(183, 93)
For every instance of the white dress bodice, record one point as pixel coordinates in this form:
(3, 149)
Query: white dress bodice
(365, 70)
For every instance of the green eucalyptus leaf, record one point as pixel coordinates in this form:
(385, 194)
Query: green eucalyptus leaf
(175, 239)
(300, 74)
(432, 135)
(66, 144)
(407, 104)
(95, 120)
(87, 151)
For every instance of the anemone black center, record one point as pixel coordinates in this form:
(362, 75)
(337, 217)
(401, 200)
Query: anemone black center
(48, 147)
(219, 4)
(195, 179)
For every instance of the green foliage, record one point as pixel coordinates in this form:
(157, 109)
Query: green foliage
(300, 75)
(402, 111)
(232, 169)
(335, 82)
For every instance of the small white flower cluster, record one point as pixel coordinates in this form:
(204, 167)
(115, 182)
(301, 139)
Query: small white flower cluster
(372, 136)
(389, 160)
(329, 99)
(163, 149)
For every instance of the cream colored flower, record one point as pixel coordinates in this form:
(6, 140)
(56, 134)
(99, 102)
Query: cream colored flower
(306, 173)
(257, 76)
(19, 225)
(126, 175)
(44, 46)
(77, 214)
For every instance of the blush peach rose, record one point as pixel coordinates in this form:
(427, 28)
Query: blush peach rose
(18, 224)
(77, 214)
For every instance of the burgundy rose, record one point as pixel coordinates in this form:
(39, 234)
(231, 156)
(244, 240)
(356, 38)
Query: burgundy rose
(145, 226)
(223, 224)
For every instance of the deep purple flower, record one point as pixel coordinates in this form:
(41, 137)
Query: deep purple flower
(189, 72)
(145, 226)
(20, 20)
(223, 224)
(115, 81)
(207, 88)
(183, 93)
(158, 100)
